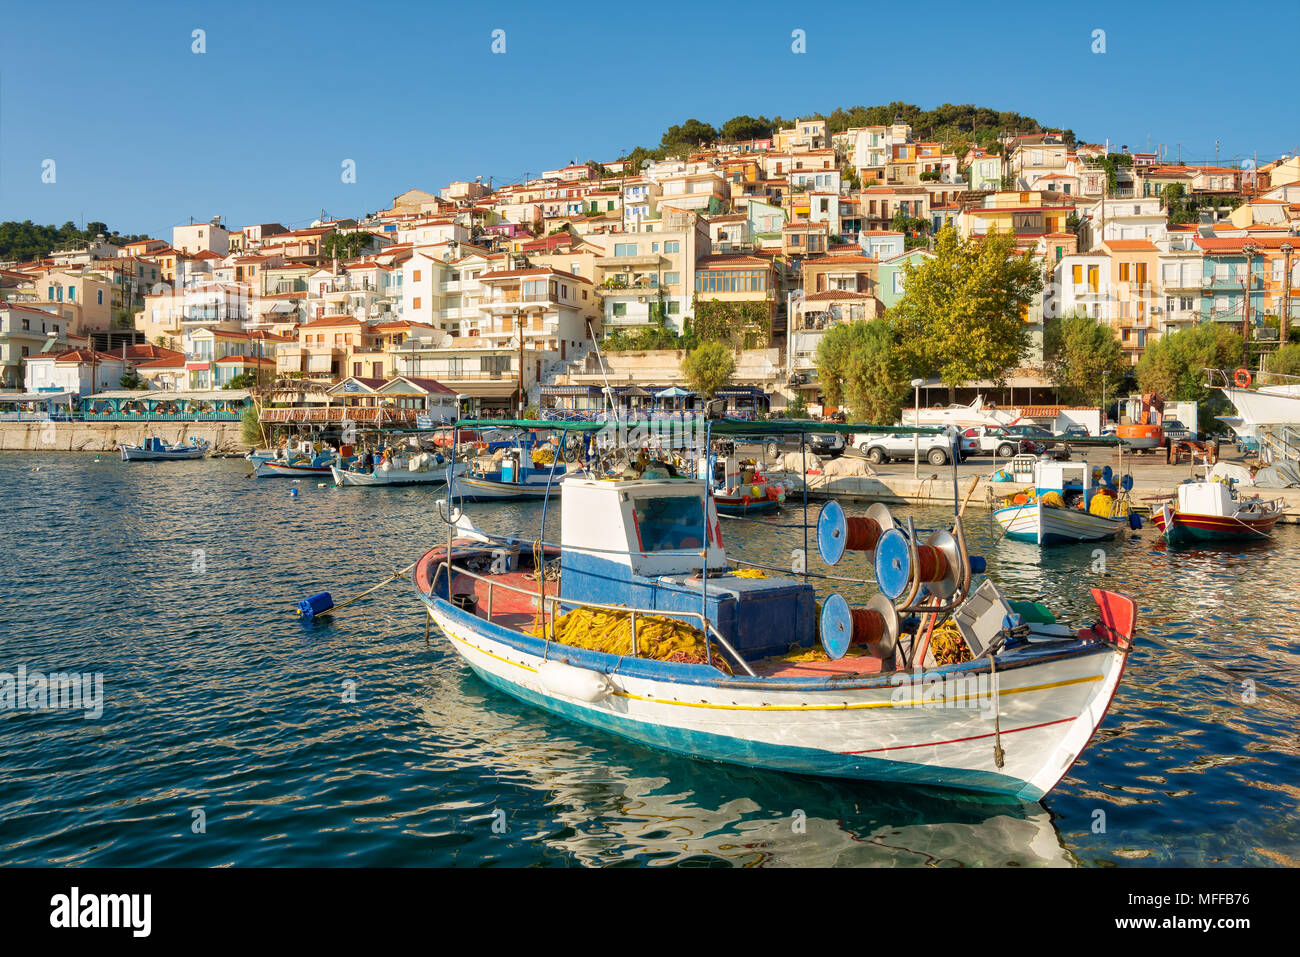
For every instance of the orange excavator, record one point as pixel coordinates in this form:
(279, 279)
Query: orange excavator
(1140, 425)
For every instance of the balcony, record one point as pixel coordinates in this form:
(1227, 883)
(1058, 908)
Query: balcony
(626, 262)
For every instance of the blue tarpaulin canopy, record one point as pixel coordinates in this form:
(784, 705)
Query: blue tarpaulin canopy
(673, 392)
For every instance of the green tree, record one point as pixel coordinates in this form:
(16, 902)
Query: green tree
(688, 136)
(1286, 361)
(345, 245)
(797, 408)
(132, 380)
(1174, 367)
(1084, 359)
(960, 318)
(245, 380)
(250, 429)
(859, 365)
(743, 324)
(708, 367)
(745, 127)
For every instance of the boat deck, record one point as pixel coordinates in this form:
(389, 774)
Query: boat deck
(511, 609)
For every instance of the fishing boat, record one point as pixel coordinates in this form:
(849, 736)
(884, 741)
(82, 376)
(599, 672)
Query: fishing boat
(1065, 506)
(741, 488)
(515, 475)
(301, 461)
(1213, 510)
(423, 468)
(639, 623)
(154, 449)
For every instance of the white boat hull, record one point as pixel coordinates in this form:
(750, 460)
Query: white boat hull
(1045, 525)
(471, 489)
(1265, 406)
(434, 475)
(884, 729)
(134, 453)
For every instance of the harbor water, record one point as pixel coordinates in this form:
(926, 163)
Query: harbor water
(234, 733)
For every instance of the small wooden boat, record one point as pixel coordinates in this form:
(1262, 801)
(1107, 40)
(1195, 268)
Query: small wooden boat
(515, 476)
(303, 461)
(742, 489)
(1214, 511)
(1064, 506)
(422, 469)
(638, 623)
(154, 449)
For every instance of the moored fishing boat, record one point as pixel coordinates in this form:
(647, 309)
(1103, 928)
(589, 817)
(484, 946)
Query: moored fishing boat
(514, 475)
(1212, 510)
(302, 461)
(638, 623)
(741, 488)
(424, 468)
(1065, 506)
(154, 449)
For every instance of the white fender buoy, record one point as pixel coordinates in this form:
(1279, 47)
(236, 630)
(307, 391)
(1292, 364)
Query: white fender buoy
(581, 684)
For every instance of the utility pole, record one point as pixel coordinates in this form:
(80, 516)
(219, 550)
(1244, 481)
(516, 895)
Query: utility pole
(1284, 321)
(522, 394)
(1250, 250)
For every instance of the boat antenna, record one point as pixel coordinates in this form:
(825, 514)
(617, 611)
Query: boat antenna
(609, 392)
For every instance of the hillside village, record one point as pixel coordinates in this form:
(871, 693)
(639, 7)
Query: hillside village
(586, 280)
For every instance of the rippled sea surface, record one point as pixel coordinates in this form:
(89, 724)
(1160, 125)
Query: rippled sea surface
(228, 737)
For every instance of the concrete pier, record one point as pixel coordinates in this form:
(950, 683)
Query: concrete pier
(894, 484)
(105, 436)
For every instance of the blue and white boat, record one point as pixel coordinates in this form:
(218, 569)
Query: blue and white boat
(1064, 506)
(302, 461)
(639, 558)
(514, 476)
(154, 449)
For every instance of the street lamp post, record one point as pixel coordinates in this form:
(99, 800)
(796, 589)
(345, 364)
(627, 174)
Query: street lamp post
(916, 423)
(1105, 374)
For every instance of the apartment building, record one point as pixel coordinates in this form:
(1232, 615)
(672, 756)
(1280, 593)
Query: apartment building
(202, 237)
(643, 276)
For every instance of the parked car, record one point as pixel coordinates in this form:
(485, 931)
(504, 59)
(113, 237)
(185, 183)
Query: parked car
(828, 444)
(997, 440)
(1175, 431)
(935, 449)
(1077, 432)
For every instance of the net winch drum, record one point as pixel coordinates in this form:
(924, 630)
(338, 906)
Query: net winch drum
(876, 626)
(837, 533)
(938, 563)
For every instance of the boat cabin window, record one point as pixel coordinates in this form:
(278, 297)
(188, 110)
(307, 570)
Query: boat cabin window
(669, 523)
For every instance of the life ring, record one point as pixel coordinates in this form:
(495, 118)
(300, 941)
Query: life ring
(1242, 378)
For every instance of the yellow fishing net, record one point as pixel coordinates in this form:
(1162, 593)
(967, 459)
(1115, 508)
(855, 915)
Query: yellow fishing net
(947, 644)
(1053, 499)
(544, 455)
(749, 573)
(657, 636)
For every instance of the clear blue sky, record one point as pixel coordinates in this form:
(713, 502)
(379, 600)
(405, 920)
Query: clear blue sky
(146, 133)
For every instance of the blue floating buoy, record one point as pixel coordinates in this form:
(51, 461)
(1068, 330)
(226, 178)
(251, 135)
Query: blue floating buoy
(836, 626)
(893, 563)
(1134, 521)
(832, 531)
(978, 564)
(293, 493)
(1127, 483)
(315, 605)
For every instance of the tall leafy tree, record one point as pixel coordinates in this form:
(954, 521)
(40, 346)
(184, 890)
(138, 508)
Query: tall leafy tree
(1084, 359)
(859, 365)
(709, 367)
(746, 127)
(961, 314)
(1285, 361)
(1174, 367)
